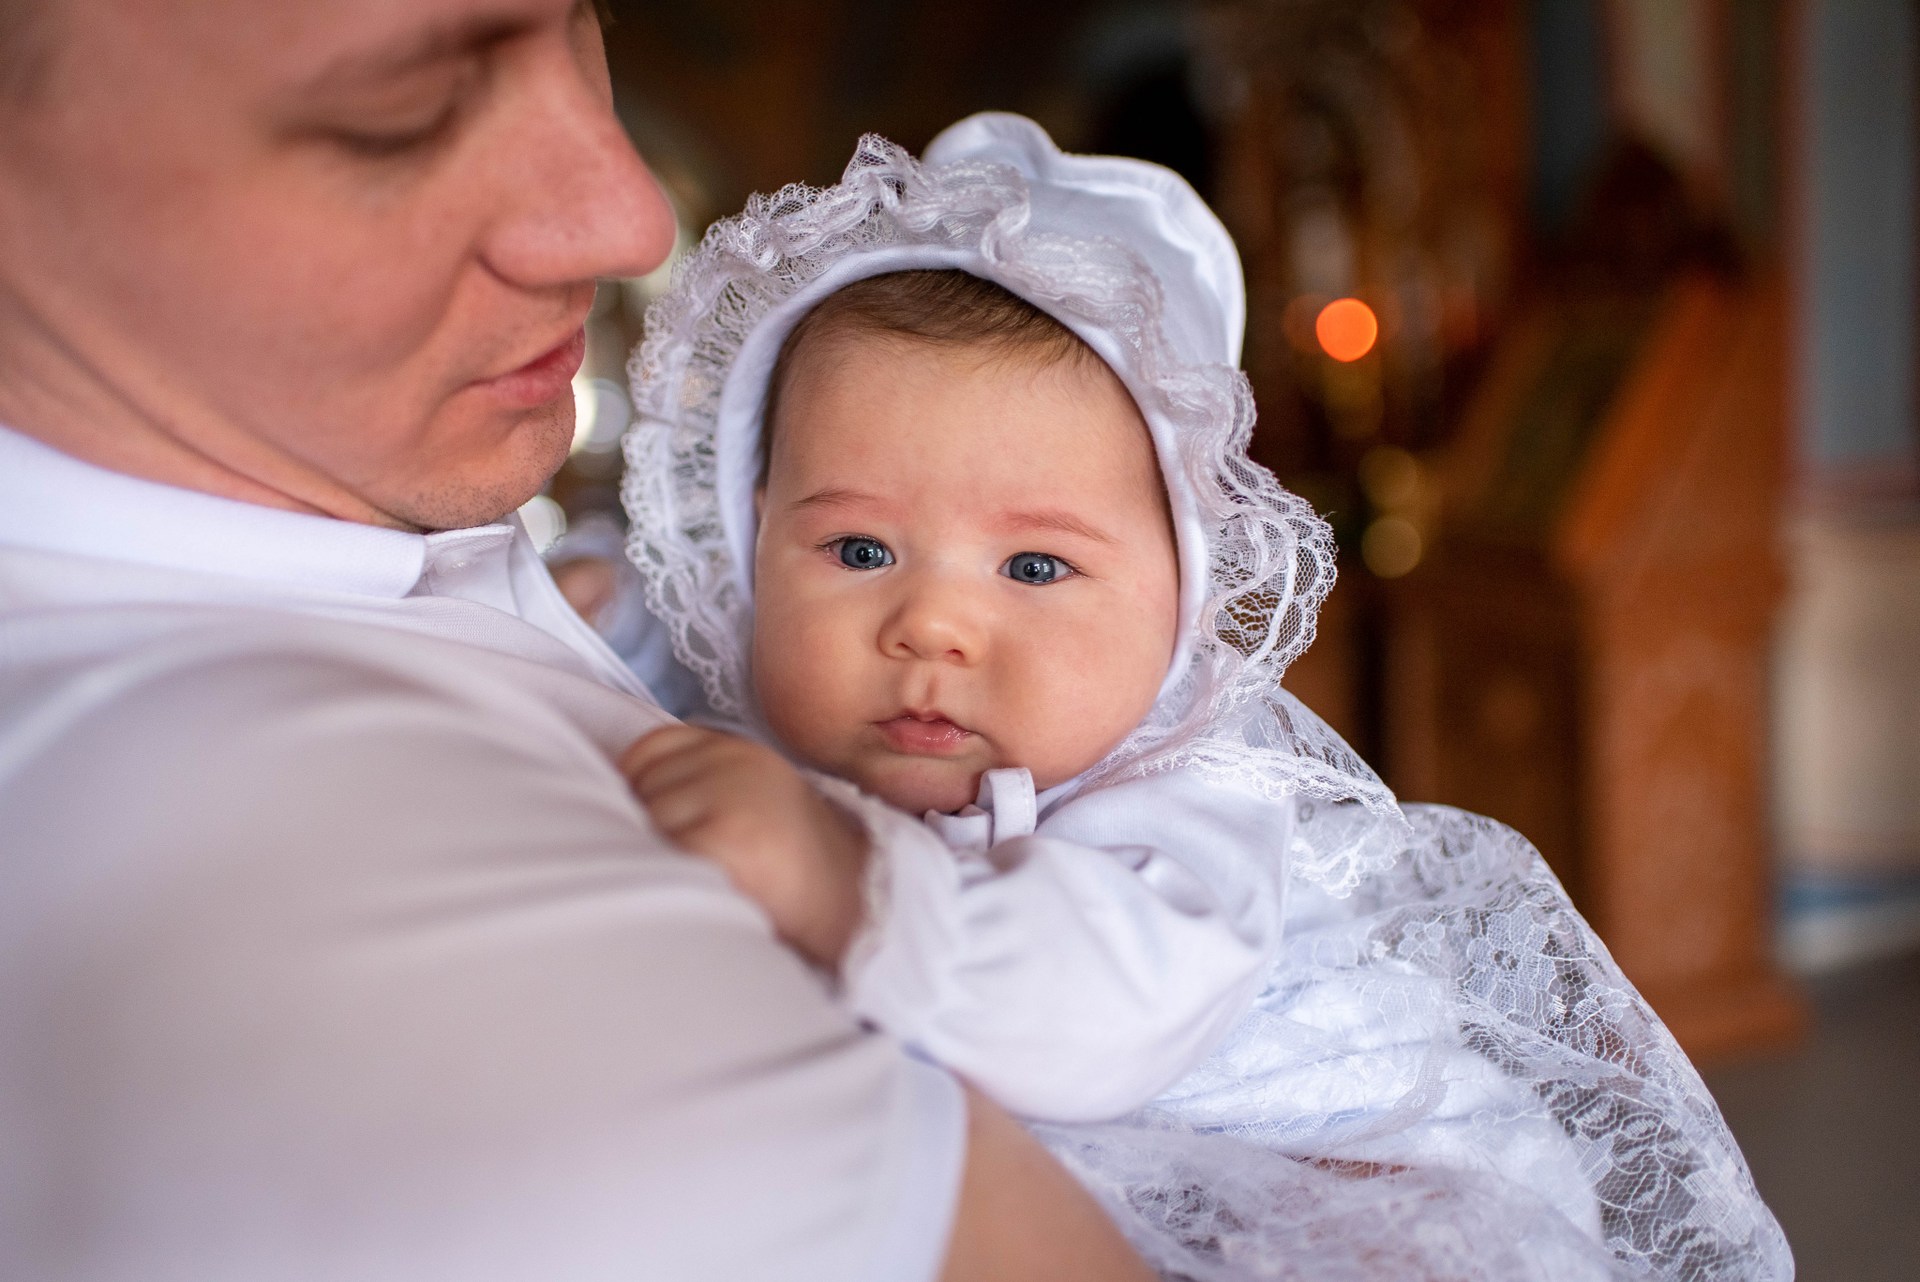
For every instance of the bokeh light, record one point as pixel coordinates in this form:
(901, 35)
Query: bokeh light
(1392, 478)
(1347, 329)
(601, 413)
(1391, 547)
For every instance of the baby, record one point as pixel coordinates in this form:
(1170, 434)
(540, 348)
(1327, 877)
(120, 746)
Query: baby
(964, 565)
(940, 485)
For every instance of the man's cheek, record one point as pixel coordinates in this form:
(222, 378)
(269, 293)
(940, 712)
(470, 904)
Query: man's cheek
(393, 285)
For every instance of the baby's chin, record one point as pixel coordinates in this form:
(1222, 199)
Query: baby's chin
(916, 784)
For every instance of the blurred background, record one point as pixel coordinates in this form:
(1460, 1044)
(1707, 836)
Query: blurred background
(1590, 325)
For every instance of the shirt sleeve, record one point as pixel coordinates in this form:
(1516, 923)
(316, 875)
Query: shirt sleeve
(1075, 973)
(315, 970)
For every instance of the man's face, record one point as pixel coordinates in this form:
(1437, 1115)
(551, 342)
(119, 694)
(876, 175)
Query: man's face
(340, 250)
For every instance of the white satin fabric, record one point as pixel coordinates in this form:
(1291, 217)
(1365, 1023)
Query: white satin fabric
(1073, 956)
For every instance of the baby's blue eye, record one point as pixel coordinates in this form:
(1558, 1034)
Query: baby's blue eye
(1033, 567)
(864, 554)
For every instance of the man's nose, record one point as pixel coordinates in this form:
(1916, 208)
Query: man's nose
(934, 620)
(580, 202)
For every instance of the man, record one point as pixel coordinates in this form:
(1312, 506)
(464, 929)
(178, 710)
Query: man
(331, 943)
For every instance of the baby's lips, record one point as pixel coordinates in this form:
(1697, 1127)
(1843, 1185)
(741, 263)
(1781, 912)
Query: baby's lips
(924, 736)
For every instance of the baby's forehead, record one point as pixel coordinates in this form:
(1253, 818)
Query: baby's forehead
(945, 309)
(912, 387)
(938, 433)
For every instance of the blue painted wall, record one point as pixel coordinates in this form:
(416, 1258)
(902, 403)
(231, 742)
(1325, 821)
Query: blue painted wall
(1857, 220)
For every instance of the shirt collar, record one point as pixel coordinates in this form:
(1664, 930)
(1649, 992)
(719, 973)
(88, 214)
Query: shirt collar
(55, 503)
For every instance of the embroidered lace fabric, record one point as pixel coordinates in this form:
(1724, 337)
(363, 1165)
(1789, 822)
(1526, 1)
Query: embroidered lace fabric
(1446, 1076)
(1586, 1148)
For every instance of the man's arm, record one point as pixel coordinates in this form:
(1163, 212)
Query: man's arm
(309, 969)
(1021, 1217)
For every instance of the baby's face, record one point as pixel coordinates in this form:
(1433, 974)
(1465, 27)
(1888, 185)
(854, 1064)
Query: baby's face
(964, 563)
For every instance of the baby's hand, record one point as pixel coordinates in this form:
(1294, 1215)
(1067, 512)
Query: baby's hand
(781, 843)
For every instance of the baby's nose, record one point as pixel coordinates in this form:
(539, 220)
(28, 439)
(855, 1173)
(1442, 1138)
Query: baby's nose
(935, 621)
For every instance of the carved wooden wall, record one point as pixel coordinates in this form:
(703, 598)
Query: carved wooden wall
(1599, 678)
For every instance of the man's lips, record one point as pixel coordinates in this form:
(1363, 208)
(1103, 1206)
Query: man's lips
(924, 735)
(542, 379)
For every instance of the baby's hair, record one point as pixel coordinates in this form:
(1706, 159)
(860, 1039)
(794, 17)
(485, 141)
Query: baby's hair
(943, 307)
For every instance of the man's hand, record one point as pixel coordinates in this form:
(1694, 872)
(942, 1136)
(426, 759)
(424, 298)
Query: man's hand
(781, 843)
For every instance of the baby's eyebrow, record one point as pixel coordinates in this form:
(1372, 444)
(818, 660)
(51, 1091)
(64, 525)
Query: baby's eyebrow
(1023, 521)
(836, 496)
(1053, 521)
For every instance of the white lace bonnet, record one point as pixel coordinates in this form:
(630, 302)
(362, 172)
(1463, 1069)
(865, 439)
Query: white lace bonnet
(1126, 255)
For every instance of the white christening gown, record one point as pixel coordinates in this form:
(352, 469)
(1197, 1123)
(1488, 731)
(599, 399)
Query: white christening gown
(1439, 1073)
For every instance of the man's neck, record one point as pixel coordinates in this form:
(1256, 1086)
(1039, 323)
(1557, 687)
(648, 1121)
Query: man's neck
(52, 398)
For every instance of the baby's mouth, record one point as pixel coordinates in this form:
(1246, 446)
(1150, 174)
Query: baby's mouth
(924, 734)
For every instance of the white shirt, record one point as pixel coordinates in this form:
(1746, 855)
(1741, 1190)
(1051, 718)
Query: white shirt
(332, 946)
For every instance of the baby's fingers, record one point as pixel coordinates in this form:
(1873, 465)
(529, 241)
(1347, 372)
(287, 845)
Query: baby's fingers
(698, 822)
(645, 755)
(690, 771)
(679, 812)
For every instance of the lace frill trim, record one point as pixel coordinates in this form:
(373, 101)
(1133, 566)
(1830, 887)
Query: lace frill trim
(1271, 558)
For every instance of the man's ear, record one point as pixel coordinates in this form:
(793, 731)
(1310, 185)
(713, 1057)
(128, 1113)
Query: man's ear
(759, 517)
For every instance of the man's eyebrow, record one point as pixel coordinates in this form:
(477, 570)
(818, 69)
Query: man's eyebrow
(447, 38)
(1053, 521)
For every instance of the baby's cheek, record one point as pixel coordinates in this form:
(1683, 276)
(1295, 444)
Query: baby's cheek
(798, 684)
(778, 679)
(1070, 715)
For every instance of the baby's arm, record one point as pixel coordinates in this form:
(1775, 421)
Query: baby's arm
(1076, 973)
(1073, 974)
(781, 843)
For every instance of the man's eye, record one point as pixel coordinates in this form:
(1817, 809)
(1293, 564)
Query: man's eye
(379, 143)
(863, 553)
(1035, 567)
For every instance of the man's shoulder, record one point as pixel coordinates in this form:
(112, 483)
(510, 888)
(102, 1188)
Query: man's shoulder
(136, 705)
(166, 751)
(198, 739)
(324, 911)
(232, 665)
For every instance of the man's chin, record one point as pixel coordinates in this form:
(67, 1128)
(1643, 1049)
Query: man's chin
(455, 508)
(495, 486)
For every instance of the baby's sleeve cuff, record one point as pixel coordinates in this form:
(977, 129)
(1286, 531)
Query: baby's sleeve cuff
(897, 970)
